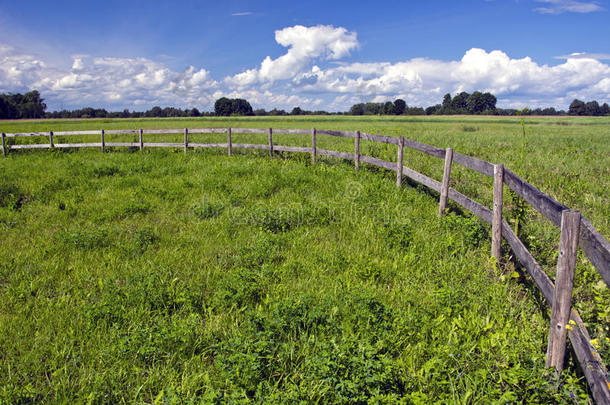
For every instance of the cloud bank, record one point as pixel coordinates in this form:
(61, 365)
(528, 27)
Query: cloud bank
(315, 72)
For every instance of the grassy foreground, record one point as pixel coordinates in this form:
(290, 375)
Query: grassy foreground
(139, 277)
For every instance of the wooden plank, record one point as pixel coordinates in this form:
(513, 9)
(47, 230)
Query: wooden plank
(22, 134)
(250, 146)
(70, 133)
(342, 155)
(401, 144)
(291, 148)
(103, 143)
(380, 138)
(121, 131)
(292, 131)
(420, 178)
(442, 204)
(208, 145)
(378, 162)
(357, 150)
(313, 146)
(207, 130)
(249, 130)
(3, 144)
(163, 131)
(78, 145)
(590, 361)
(186, 139)
(478, 165)
(542, 202)
(596, 248)
(270, 134)
(129, 144)
(341, 134)
(562, 294)
(471, 205)
(141, 138)
(496, 225)
(543, 282)
(427, 149)
(155, 144)
(229, 146)
(32, 146)
(52, 145)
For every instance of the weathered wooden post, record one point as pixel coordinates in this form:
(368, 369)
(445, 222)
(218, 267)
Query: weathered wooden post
(271, 143)
(562, 295)
(496, 224)
(141, 139)
(229, 144)
(4, 144)
(103, 142)
(357, 150)
(186, 139)
(313, 146)
(401, 144)
(445, 186)
(51, 144)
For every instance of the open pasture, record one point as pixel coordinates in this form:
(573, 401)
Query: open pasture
(153, 275)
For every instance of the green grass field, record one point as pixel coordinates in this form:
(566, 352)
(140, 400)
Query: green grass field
(158, 277)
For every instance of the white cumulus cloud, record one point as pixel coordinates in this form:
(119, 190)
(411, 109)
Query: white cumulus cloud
(568, 6)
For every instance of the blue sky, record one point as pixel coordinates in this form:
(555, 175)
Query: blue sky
(317, 55)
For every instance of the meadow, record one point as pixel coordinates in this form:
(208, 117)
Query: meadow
(156, 276)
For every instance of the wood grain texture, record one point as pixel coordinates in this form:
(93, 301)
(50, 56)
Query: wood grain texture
(102, 140)
(378, 162)
(153, 144)
(229, 142)
(129, 144)
(297, 149)
(400, 148)
(163, 131)
(442, 204)
(121, 131)
(249, 130)
(427, 149)
(473, 163)
(208, 145)
(3, 144)
(141, 138)
(270, 134)
(379, 138)
(313, 146)
(420, 178)
(52, 144)
(342, 155)
(357, 150)
(342, 134)
(496, 225)
(250, 146)
(562, 294)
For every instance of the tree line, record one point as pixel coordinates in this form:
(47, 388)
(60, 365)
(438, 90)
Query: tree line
(31, 105)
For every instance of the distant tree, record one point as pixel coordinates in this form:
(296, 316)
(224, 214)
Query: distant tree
(357, 109)
(459, 103)
(434, 109)
(447, 101)
(604, 109)
(296, 111)
(240, 107)
(388, 108)
(223, 107)
(592, 108)
(399, 106)
(577, 107)
(260, 111)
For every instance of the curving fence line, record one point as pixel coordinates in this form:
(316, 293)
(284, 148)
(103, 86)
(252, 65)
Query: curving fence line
(575, 230)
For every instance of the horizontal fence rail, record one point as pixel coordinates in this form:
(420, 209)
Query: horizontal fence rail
(592, 243)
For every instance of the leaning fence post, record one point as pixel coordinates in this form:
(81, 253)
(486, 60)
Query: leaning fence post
(271, 143)
(562, 295)
(229, 144)
(141, 139)
(51, 144)
(103, 142)
(496, 225)
(357, 150)
(401, 144)
(186, 139)
(4, 144)
(313, 146)
(445, 186)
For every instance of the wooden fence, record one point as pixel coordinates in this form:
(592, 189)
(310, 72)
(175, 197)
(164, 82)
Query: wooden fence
(575, 230)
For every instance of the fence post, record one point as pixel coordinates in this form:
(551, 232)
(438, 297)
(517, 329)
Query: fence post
(229, 143)
(357, 150)
(4, 144)
(271, 143)
(445, 186)
(313, 146)
(401, 144)
(186, 139)
(141, 139)
(496, 225)
(51, 144)
(103, 142)
(562, 295)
